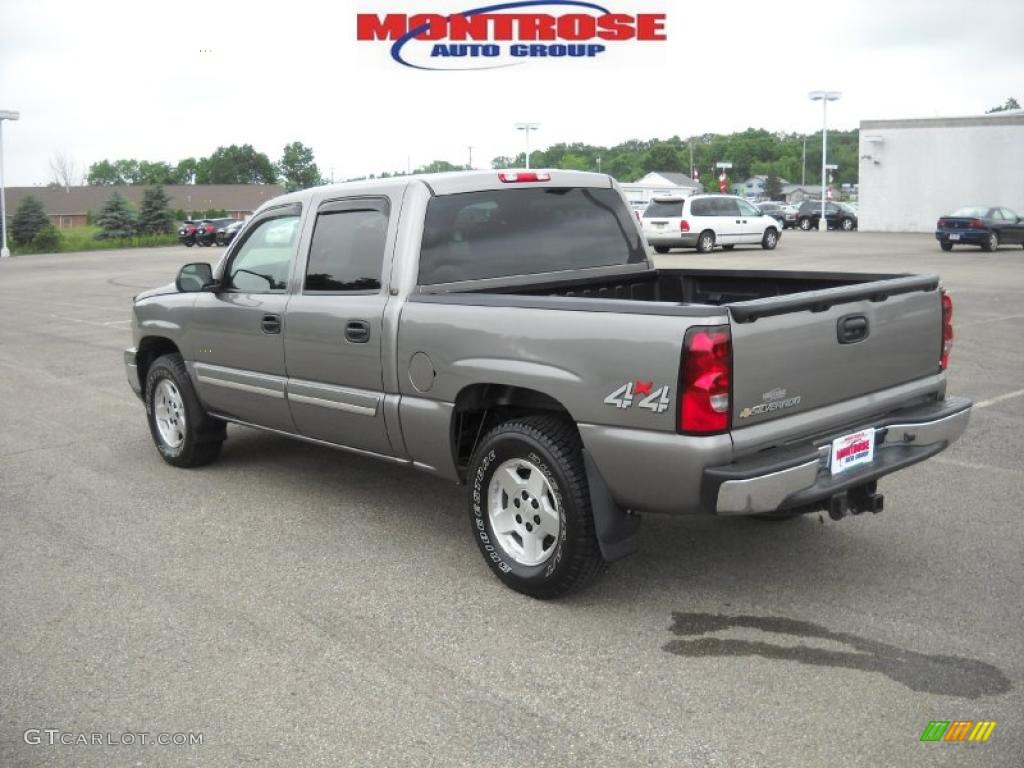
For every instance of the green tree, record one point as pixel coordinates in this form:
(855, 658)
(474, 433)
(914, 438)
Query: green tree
(662, 157)
(116, 219)
(185, 170)
(28, 221)
(236, 165)
(439, 166)
(154, 214)
(154, 173)
(773, 187)
(298, 168)
(1011, 103)
(103, 173)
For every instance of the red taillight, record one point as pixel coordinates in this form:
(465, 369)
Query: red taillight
(510, 177)
(705, 387)
(976, 224)
(684, 226)
(947, 329)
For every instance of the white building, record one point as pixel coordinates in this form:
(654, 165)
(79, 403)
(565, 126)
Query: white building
(659, 183)
(914, 171)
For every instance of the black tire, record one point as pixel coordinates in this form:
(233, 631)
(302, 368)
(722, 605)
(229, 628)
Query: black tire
(552, 446)
(728, 247)
(203, 434)
(770, 239)
(846, 225)
(706, 241)
(189, 243)
(991, 242)
(660, 249)
(946, 246)
(805, 224)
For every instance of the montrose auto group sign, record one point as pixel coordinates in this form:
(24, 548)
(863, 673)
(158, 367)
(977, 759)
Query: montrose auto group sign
(507, 34)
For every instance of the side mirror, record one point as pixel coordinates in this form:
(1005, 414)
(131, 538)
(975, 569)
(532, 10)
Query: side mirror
(195, 277)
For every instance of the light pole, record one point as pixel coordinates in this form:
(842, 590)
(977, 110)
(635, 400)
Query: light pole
(4, 115)
(527, 127)
(824, 97)
(599, 164)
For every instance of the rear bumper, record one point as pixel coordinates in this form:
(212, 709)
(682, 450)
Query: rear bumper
(800, 476)
(131, 370)
(675, 240)
(969, 236)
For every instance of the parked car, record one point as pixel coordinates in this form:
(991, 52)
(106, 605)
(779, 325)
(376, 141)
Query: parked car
(226, 234)
(187, 232)
(783, 213)
(837, 216)
(704, 221)
(206, 233)
(478, 327)
(980, 225)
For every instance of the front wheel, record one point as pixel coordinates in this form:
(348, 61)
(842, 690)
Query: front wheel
(529, 507)
(189, 243)
(991, 242)
(770, 239)
(846, 225)
(946, 246)
(181, 430)
(706, 241)
(805, 224)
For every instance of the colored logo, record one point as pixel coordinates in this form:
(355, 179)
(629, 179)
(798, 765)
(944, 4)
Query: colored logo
(507, 34)
(958, 730)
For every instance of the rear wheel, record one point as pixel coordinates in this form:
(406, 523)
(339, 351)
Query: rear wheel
(946, 246)
(706, 241)
(991, 242)
(182, 431)
(805, 224)
(770, 239)
(660, 249)
(529, 507)
(846, 225)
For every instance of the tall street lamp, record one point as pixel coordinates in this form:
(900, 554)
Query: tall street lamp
(824, 97)
(527, 127)
(4, 115)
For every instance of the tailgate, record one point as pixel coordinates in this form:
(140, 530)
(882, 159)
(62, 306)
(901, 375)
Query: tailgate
(802, 351)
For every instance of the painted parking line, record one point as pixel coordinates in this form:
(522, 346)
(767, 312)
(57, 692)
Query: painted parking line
(999, 398)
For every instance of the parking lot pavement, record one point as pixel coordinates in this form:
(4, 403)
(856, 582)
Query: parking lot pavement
(300, 606)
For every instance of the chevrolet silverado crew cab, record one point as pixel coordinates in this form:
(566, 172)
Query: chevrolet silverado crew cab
(508, 331)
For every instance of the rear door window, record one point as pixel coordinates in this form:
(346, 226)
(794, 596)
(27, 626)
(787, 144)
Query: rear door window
(663, 210)
(726, 206)
(347, 249)
(702, 207)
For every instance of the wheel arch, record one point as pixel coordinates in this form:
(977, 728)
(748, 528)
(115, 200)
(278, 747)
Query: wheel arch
(482, 406)
(149, 349)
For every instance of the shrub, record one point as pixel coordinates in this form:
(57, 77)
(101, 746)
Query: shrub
(47, 240)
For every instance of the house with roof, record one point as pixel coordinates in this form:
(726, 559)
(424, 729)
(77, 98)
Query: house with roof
(755, 188)
(72, 206)
(657, 183)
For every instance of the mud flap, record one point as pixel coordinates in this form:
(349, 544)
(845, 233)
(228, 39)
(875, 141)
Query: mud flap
(617, 530)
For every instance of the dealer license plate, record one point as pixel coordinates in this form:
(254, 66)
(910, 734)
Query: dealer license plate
(954, 237)
(853, 450)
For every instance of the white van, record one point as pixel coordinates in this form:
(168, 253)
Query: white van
(704, 221)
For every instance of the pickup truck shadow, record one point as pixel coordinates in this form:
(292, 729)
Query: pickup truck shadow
(938, 674)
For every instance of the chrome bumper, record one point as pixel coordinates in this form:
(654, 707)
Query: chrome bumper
(795, 477)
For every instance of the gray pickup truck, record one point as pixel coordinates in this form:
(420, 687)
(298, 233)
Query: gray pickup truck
(508, 331)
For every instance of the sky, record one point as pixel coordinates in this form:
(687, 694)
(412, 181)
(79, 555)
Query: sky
(161, 81)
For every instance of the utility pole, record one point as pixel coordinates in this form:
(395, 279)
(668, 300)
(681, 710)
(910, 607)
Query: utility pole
(470, 166)
(803, 173)
(690, 145)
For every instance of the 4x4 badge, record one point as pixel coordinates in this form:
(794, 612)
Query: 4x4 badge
(654, 400)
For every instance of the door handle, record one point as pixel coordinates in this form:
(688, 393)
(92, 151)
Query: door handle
(357, 331)
(271, 323)
(851, 329)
